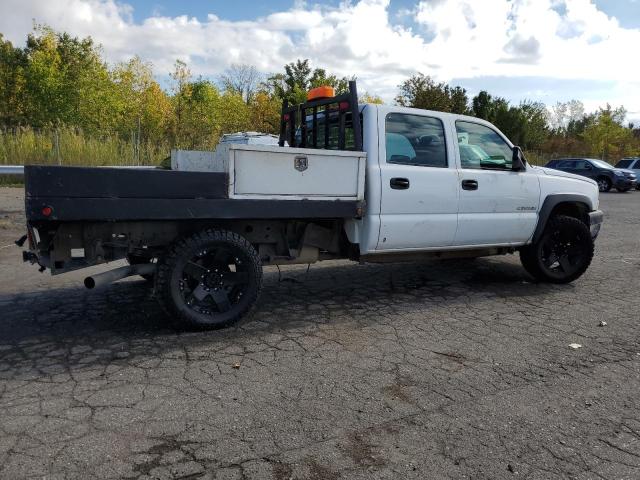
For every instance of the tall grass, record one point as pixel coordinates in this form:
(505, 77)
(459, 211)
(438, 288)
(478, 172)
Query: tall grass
(70, 146)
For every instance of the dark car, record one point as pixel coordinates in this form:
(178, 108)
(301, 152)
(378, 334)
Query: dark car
(604, 174)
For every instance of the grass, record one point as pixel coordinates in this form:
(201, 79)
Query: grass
(69, 146)
(11, 181)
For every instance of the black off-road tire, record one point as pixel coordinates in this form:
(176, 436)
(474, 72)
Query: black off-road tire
(565, 234)
(137, 260)
(177, 289)
(604, 184)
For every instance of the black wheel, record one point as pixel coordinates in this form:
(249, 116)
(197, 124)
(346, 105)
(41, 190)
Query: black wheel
(137, 260)
(563, 252)
(209, 280)
(604, 184)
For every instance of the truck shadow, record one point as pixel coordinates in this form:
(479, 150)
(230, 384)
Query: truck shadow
(71, 328)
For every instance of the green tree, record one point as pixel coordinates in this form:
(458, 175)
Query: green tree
(368, 98)
(533, 124)
(181, 88)
(265, 113)
(607, 137)
(487, 107)
(421, 91)
(144, 109)
(12, 64)
(61, 72)
(242, 80)
(298, 78)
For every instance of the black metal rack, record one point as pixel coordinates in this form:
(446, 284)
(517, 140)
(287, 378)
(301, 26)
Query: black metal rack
(332, 110)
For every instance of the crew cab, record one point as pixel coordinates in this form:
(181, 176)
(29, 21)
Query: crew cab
(370, 183)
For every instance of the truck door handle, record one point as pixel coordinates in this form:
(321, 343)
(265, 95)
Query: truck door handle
(399, 183)
(469, 184)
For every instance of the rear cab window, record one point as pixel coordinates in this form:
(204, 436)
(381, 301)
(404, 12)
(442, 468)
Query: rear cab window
(328, 131)
(415, 140)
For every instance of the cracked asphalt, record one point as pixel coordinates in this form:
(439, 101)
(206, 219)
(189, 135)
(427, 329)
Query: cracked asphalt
(458, 369)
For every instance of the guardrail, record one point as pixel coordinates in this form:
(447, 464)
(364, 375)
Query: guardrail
(11, 170)
(18, 170)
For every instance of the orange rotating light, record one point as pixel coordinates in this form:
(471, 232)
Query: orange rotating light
(321, 92)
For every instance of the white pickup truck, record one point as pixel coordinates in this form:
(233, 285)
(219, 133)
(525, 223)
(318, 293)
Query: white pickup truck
(370, 183)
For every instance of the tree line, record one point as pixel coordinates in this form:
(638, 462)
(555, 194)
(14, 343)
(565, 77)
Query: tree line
(60, 87)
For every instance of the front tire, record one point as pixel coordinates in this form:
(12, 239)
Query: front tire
(563, 252)
(604, 184)
(209, 280)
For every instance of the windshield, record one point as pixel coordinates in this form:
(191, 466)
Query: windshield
(624, 164)
(601, 164)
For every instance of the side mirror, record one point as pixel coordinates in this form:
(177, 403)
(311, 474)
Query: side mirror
(518, 162)
(587, 166)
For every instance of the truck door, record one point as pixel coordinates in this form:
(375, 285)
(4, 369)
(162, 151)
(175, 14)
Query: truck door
(419, 183)
(497, 205)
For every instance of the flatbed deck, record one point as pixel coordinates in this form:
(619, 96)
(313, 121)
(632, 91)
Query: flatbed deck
(113, 194)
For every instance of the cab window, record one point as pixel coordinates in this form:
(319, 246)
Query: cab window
(415, 140)
(482, 147)
(567, 164)
(582, 165)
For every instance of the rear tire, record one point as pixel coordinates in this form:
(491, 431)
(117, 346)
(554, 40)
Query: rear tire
(563, 252)
(209, 280)
(604, 184)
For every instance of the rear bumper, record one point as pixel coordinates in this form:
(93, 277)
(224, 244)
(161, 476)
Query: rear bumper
(595, 222)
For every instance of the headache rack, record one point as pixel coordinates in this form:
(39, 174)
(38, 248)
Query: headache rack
(332, 123)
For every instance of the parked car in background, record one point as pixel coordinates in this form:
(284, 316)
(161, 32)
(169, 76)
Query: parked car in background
(606, 175)
(632, 164)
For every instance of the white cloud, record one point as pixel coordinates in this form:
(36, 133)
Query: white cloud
(563, 39)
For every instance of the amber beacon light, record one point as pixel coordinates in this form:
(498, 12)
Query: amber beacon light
(320, 92)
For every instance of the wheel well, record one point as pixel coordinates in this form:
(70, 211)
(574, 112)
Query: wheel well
(572, 209)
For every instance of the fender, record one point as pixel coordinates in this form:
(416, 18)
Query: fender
(551, 202)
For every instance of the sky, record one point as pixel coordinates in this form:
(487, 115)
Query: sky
(544, 50)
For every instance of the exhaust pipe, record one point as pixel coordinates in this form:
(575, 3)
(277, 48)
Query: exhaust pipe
(105, 278)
